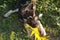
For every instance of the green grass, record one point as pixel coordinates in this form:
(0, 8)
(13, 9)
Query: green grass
(12, 28)
(12, 36)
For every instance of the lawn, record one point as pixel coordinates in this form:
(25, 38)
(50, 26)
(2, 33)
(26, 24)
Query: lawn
(11, 28)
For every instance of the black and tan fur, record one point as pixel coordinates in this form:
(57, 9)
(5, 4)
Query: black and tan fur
(27, 13)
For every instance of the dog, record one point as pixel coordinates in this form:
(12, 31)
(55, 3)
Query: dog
(27, 14)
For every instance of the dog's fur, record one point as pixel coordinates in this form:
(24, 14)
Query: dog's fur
(26, 12)
(27, 15)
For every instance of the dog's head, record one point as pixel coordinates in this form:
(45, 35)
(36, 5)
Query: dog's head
(26, 11)
(27, 15)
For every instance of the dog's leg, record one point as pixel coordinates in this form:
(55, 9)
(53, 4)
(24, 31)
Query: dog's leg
(30, 37)
(42, 30)
(29, 33)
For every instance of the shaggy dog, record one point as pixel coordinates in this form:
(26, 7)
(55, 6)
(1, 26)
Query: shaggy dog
(27, 14)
